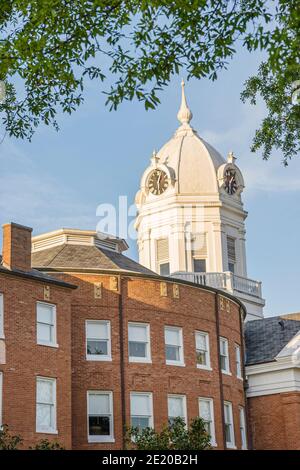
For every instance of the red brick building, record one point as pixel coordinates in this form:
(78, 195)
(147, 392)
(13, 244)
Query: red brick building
(92, 341)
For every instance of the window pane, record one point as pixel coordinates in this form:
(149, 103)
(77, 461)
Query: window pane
(45, 333)
(172, 336)
(172, 353)
(201, 341)
(44, 391)
(140, 422)
(45, 313)
(223, 363)
(44, 416)
(201, 358)
(140, 405)
(99, 425)
(175, 407)
(199, 265)
(97, 330)
(137, 333)
(99, 404)
(97, 347)
(205, 410)
(137, 349)
(164, 269)
(228, 433)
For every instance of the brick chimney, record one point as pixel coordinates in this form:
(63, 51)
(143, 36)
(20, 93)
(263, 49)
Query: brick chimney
(16, 251)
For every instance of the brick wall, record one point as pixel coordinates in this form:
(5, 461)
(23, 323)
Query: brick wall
(275, 421)
(25, 359)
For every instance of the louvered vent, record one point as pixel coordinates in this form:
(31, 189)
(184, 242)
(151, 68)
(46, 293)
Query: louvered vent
(199, 245)
(231, 249)
(162, 250)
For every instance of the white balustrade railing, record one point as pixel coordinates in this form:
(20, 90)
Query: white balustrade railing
(226, 280)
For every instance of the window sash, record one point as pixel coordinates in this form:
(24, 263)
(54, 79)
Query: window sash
(228, 424)
(139, 342)
(243, 428)
(141, 409)
(46, 406)
(176, 407)
(46, 324)
(206, 412)
(99, 416)
(202, 349)
(238, 361)
(173, 345)
(98, 340)
(224, 355)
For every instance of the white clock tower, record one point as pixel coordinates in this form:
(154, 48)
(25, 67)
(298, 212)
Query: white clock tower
(191, 220)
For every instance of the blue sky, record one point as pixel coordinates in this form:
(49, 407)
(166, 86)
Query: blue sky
(59, 179)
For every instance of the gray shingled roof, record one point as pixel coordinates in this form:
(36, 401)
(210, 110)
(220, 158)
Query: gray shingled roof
(265, 338)
(85, 257)
(34, 274)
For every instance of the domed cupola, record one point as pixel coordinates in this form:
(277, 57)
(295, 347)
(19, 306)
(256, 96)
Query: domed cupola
(190, 218)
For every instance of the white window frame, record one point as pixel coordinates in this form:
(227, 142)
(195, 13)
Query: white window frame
(150, 395)
(52, 430)
(53, 343)
(1, 398)
(231, 444)
(148, 343)
(238, 361)
(243, 428)
(227, 361)
(183, 398)
(110, 438)
(213, 441)
(206, 366)
(99, 357)
(180, 362)
(1, 316)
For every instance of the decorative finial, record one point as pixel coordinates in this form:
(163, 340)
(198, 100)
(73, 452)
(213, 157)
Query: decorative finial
(184, 114)
(231, 158)
(154, 158)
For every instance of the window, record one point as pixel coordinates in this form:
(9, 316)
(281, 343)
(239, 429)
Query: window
(1, 397)
(1, 316)
(228, 422)
(206, 412)
(100, 416)
(46, 405)
(46, 324)
(199, 265)
(98, 344)
(238, 361)
(141, 410)
(139, 342)
(176, 408)
(162, 256)
(243, 428)
(231, 254)
(224, 356)
(202, 350)
(174, 346)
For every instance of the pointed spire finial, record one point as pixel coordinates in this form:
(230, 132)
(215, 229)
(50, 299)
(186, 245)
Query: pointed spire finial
(184, 114)
(231, 158)
(154, 158)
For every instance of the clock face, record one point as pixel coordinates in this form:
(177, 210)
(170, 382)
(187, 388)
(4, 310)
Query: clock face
(158, 182)
(230, 183)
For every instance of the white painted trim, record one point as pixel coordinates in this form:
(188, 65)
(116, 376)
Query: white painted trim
(53, 430)
(146, 359)
(225, 341)
(230, 445)
(99, 357)
(273, 378)
(213, 441)
(206, 335)
(54, 342)
(243, 425)
(181, 350)
(110, 438)
(183, 397)
(150, 395)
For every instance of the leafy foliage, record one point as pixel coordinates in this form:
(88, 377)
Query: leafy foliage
(172, 437)
(49, 49)
(44, 444)
(9, 441)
